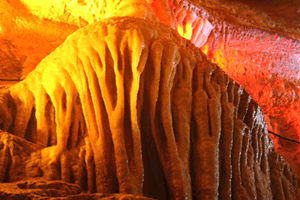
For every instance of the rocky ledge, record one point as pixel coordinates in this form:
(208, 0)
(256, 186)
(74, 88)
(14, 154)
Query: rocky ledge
(40, 189)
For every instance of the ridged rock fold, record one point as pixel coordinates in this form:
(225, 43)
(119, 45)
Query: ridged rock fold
(127, 106)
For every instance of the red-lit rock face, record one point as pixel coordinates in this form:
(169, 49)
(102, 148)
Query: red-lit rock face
(183, 17)
(265, 63)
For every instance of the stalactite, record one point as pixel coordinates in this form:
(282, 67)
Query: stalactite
(112, 98)
(189, 25)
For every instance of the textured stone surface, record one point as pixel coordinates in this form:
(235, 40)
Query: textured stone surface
(58, 190)
(282, 18)
(176, 116)
(10, 64)
(18, 159)
(25, 39)
(266, 64)
(35, 189)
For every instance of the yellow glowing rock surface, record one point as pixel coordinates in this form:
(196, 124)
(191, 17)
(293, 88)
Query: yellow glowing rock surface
(124, 87)
(83, 12)
(185, 31)
(117, 81)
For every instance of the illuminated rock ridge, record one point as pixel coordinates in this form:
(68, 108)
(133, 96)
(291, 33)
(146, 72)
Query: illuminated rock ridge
(127, 106)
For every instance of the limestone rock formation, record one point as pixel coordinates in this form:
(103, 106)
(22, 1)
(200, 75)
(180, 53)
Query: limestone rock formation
(25, 39)
(39, 189)
(264, 57)
(35, 189)
(19, 158)
(127, 106)
(251, 46)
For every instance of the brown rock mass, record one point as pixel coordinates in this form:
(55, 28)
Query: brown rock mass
(127, 106)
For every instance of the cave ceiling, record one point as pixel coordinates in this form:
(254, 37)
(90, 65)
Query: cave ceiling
(30, 30)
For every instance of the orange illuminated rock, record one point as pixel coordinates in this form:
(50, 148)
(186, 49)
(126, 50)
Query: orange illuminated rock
(125, 105)
(25, 40)
(142, 114)
(30, 30)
